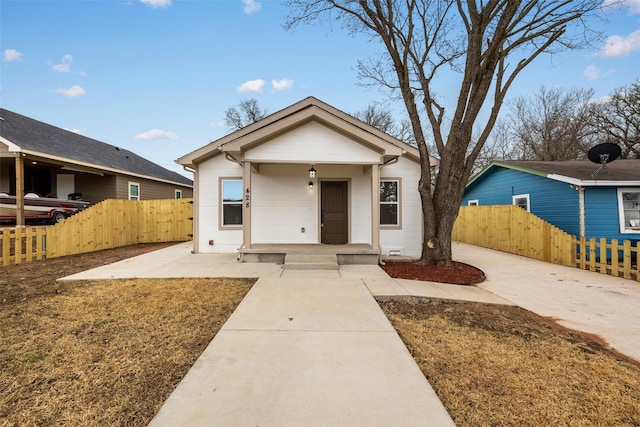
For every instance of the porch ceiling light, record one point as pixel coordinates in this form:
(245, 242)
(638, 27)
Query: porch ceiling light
(311, 185)
(312, 172)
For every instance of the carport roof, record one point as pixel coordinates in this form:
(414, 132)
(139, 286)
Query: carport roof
(25, 135)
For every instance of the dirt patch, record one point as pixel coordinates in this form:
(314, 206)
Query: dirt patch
(504, 366)
(458, 274)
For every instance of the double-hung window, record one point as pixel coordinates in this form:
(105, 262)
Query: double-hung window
(134, 191)
(390, 202)
(231, 202)
(629, 208)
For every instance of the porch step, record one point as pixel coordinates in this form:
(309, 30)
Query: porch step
(310, 262)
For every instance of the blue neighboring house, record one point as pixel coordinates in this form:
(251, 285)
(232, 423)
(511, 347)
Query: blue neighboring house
(566, 194)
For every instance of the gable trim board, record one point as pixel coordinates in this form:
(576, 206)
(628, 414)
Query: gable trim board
(274, 155)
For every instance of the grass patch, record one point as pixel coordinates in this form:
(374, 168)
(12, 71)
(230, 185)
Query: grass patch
(99, 353)
(504, 366)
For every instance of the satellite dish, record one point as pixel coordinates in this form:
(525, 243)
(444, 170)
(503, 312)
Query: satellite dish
(603, 154)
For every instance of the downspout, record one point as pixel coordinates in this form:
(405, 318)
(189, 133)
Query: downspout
(582, 210)
(387, 163)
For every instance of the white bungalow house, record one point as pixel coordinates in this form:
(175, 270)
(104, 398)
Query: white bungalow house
(307, 175)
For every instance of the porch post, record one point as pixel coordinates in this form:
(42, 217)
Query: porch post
(246, 206)
(19, 190)
(375, 206)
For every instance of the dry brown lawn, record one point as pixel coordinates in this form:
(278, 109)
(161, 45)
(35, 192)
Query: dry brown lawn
(110, 352)
(101, 353)
(505, 366)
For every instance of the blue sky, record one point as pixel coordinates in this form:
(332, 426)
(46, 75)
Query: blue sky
(155, 76)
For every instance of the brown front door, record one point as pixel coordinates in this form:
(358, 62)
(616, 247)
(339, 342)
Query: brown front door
(334, 212)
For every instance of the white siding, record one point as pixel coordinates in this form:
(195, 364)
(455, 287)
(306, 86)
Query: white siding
(312, 143)
(209, 173)
(283, 204)
(409, 237)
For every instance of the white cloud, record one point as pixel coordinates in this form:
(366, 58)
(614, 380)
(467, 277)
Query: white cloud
(156, 4)
(252, 86)
(154, 134)
(621, 46)
(281, 85)
(251, 6)
(78, 131)
(72, 92)
(11, 55)
(591, 72)
(632, 5)
(65, 64)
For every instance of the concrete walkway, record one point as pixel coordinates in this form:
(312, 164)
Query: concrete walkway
(306, 352)
(313, 348)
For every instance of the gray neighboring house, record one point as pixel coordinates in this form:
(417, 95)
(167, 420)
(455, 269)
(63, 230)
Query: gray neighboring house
(56, 163)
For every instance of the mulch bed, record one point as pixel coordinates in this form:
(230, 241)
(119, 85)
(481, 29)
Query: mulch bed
(458, 274)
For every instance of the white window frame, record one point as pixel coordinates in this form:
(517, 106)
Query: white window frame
(473, 202)
(130, 185)
(222, 203)
(398, 203)
(626, 208)
(516, 197)
(178, 194)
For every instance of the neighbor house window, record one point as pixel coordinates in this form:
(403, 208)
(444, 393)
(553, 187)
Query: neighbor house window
(134, 191)
(390, 202)
(522, 201)
(178, 194)
(231, 195)
(472, 203)
(629, 208)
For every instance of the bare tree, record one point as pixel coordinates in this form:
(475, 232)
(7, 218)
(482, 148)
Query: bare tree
(618, 119)
(553, 124)
(245, 113)
(383, 120)
(377, 117)
(489, 42)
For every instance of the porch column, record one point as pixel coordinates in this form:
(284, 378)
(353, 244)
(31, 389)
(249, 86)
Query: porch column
(246, 206)
(375, 206)
(19, 190)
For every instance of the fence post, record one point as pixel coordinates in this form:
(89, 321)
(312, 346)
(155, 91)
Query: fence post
(614, 257)
(626, 263)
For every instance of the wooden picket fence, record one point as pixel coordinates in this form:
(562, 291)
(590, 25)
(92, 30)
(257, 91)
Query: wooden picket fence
(22, 244)
(108, 224)
(511, 229)
(619, 260)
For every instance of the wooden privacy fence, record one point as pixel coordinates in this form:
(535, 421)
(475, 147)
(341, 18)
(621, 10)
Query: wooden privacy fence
(509, 228)
(108, 224)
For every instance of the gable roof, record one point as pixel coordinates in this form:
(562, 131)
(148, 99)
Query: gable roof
(25, 135)
(302, 112)
(623, 172)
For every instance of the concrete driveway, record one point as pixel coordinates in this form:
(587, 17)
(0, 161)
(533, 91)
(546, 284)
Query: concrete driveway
(606, 306)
